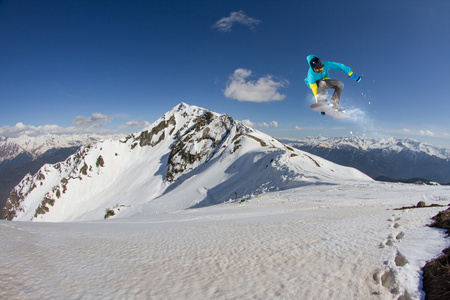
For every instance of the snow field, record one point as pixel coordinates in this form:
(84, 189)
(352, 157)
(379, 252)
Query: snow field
(324, 241)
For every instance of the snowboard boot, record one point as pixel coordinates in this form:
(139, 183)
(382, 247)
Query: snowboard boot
(335, 102)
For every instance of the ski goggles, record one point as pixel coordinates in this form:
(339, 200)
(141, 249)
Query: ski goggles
(318, 70)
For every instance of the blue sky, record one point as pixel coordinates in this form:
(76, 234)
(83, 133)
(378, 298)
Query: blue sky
(118, 65)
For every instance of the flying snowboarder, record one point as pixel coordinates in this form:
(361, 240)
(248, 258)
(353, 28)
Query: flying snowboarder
(319, 80)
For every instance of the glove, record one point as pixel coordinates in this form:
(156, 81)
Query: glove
(356, 77)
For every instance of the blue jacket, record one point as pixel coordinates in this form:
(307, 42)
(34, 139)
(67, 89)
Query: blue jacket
(313, 77)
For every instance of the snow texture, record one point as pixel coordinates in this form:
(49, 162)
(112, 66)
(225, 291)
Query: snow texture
(324, 241)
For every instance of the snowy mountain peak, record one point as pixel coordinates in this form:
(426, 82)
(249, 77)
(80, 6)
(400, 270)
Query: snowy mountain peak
(193, 135)
(189, 157)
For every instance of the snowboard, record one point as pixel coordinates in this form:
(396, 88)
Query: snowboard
(324, 109)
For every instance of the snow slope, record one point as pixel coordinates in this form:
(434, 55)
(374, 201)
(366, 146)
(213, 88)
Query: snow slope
(190, 157)
(339, 240)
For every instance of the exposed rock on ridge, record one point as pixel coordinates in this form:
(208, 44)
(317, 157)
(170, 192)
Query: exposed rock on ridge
(189, 157)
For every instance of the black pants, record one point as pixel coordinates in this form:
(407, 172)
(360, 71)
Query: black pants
(329, 84)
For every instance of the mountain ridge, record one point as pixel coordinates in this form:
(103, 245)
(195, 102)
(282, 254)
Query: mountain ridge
(365, 143)
(35, 146)
(25, 154)
(190, 157)
(401, 159)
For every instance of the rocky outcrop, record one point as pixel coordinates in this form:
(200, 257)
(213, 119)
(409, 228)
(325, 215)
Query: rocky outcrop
(197, 144)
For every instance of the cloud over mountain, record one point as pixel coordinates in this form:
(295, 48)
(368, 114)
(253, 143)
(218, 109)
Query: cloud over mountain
(21, 129)
(265, 89)
(249, 123)
(96, 120)
(130, 124)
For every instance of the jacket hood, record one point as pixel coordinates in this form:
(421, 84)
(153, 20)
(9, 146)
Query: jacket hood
(309, 58)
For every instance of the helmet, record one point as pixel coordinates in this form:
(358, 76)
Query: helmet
(316, 64)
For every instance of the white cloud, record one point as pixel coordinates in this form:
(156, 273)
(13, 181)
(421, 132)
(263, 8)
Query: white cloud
(97, 120)
(426, 132)
(422, 132)
(135, 124)
(249, 123)
(226, 23)
(20, 129)
(300, 128)
(262, 90)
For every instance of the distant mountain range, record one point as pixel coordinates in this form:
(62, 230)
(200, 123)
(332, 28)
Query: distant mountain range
(190, 157)
(386, 159)
(27, 154)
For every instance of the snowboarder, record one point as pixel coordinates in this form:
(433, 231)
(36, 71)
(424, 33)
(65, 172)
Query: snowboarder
(319, 80)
